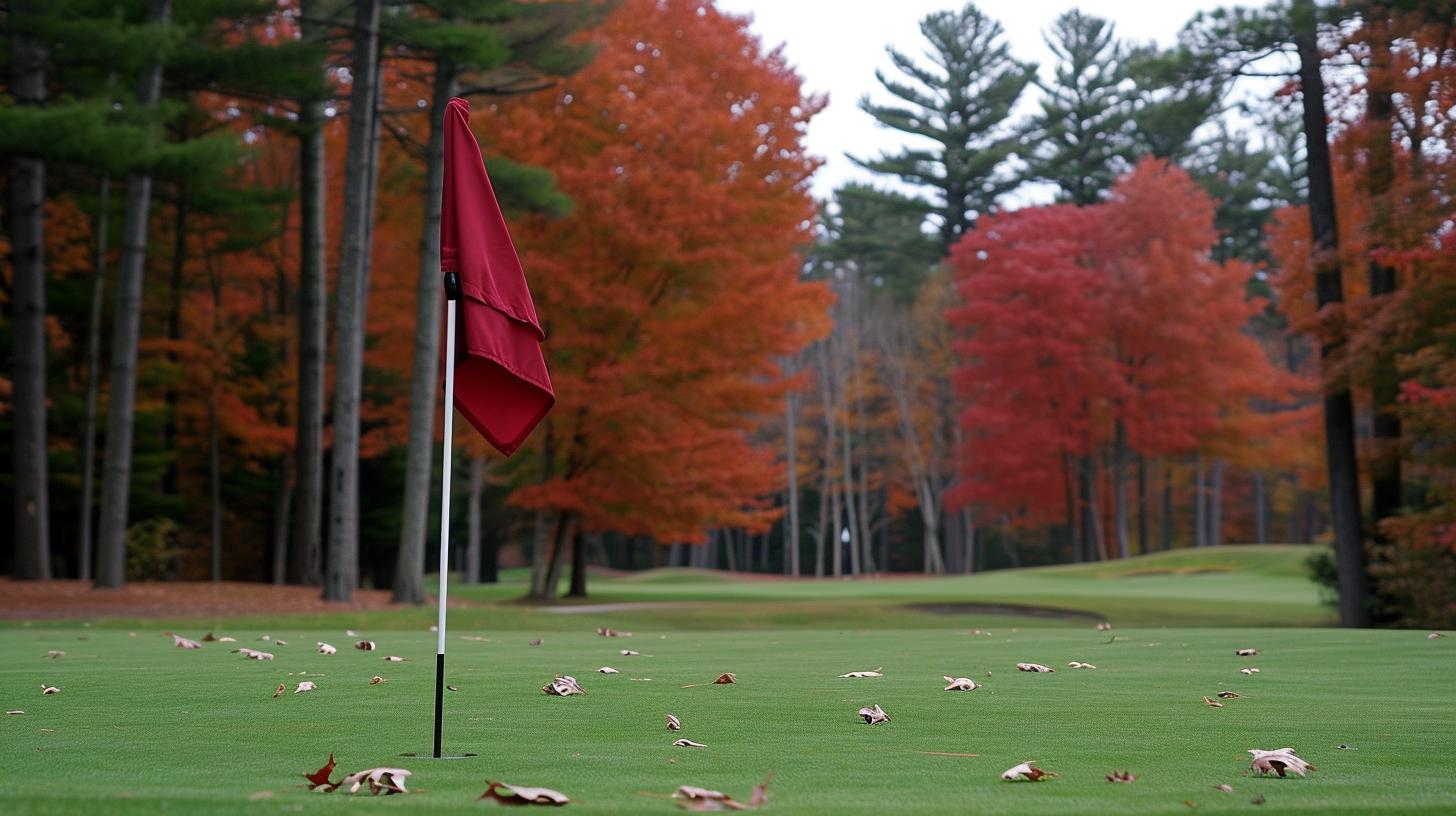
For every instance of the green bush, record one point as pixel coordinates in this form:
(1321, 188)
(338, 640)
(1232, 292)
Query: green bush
(151, 549)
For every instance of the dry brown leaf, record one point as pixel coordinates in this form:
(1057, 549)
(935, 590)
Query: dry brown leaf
(396, 659)
(1104, 626)
(687, 743)
(1224, 788)
(182, 642)
(515, 795)
(1035, 668)
(704, 800)
(208, 638)
(231, 640)
(1258, 800)
(874, 716)
(365, 645)
(452, 688)
(1121, 776)
(563, 686)
(304, 685)
(877, 672)
(375, 680)
(1229, 695)
(605, 632)
(278, 692)
(1026, 772)
(388, 780)
(325, 648)
(1278, 761)
(253, 654)
(959, 683)
(607, 670)
(1250, 671)
(1077, 664)
(725, 678)
(1246, 652)
(673, 723)
(266, 637)
(44, 689)
(55, 654)
(320, 778)
(1434, 635)
(14, 712)
(629, 653)
(350, 633)
(536, 642)
(1212, 703)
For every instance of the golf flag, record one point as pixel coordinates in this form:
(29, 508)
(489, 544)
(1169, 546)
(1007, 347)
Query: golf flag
(501, 383)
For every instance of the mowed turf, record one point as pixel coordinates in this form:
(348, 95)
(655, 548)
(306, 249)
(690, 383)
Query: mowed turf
(142, 727)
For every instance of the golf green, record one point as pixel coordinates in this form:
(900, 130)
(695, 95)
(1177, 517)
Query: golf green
(140, 726)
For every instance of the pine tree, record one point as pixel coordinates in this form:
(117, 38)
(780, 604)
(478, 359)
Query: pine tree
(962, 108)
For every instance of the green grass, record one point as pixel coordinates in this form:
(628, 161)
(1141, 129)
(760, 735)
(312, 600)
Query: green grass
(142, 727)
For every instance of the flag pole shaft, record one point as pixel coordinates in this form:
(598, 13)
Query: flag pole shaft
(452, 294)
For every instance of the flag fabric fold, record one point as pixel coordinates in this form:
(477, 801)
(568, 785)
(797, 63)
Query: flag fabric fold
(502, 386)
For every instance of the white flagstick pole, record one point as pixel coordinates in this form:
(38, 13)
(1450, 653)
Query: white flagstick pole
(452, 295)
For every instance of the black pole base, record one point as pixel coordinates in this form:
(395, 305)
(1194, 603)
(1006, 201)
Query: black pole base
(439, 698)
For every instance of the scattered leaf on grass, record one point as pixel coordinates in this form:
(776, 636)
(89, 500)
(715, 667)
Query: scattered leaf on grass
(1225, 788)
(1250, 670)
(725, 678)
(325, 648)
(1228, 695)
(1246, 652)
(673, 723)
(208, 638)
(476, 638)
(1121, 776)
(387, 780)
(1343, 747)
(253, 654)
(605, 632)
(1104, 626)
(320, 778)
(709, 801)
(874, 716)
(278, 692)
(960, 683)
(365, 645)
(14, 712)
(1278, 761)
(304, 685)
(1034, 667)
(1434, 635)
(536, 642)
(1077, 664)
(687, 743)
(375, 680)
(396, 659)
(607, 670)
(1212, 703)
(266, 637)
(563, 686)
(55, 654)
(1026, 772)
(514, 795)
(350, 633)
(629, 653)
(878, 672)
(44, 689)
(182, 642)
(276, 642)
(258, 796)
(452, 688)
(1257, 800)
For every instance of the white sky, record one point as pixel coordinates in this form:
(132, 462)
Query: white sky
(836, 45)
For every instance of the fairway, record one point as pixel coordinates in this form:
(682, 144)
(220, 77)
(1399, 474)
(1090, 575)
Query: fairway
(140, 726)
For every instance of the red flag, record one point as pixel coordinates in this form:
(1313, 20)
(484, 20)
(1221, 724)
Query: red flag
(501, 383)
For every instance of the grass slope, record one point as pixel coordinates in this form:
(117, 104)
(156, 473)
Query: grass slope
(142, 727)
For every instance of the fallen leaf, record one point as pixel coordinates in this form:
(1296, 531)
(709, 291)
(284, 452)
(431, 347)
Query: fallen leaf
(253, 654)
(687, 743)
(375, 680)
(278, 692)
(1077, 664)
(44, 689)
(607, 670)
(476, 638)
(708, 801)
(629, 653)
(1034, 667)
(1225, 788)
(959, 683)
(304, 685)
(208, 638)
(871, 673)
(1104, 626)
(350, 633)
(1121, 776)
(673, 723)
(365, 645)
(1434, 635)
(14, 712)
(1278, 761)
(396, 659)
(1213, 703)
(182, 642)
(266, 637)
(873, 716)
(276, 642)
(563, 686)
(1250, 670)
(605, 632)
(320, 778)
(1258, 800)
(514, 795)
(388, 780)
(1246, 652)
(452, 688)
(1228, 695)
(325, 648)
(55, 654)
(1026, 772)
(725, 678)
(258, 796)
(536, 642)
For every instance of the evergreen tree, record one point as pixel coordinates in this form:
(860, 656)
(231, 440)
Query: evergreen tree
(962, 109)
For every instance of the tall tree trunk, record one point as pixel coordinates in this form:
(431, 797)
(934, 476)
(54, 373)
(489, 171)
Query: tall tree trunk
(1215, 504)
(1091, 509)
(1167, 520)
(214, 483)
(342, 574)
(305, 563)
(25, 193)
(409, 571)
(178, 285)
(471, 572)
(1074, 529)
(540, 532)
(791, 521)
(1339, 409)
(822, 533)
(1119, 488)
(282, 515)
(1261, 511)
(968, 525)
(93, 383)
(1142, 502)
(125, 338)
(578, 565)
(1200, 505)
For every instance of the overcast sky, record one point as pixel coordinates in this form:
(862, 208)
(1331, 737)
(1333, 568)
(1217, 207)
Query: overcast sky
(836, 45)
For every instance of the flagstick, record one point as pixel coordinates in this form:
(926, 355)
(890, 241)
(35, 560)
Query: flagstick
(452, 295)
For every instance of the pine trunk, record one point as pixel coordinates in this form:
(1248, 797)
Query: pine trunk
(1142, 500)
(791, 528)
(471, 572)
(1215, 504)
(1091, 510)
(1119, 488)
(125, 339)
(1167, 520)
(1339, 408)
(1200, 505)
(93, 384)
(305, 557)
(578, 565)
(1261, 511)
(342, 569)
(282, 514)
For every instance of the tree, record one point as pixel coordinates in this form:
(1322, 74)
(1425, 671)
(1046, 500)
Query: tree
(962, 109)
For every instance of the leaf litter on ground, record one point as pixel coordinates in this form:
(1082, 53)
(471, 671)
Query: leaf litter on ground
(519, 795)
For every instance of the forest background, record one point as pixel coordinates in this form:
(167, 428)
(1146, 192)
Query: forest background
(222, 306)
